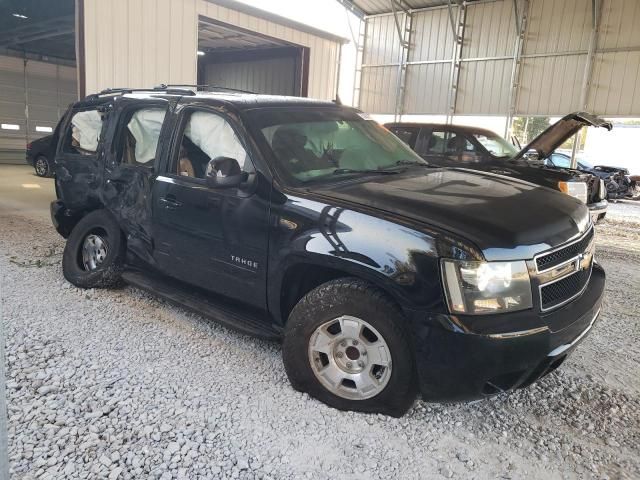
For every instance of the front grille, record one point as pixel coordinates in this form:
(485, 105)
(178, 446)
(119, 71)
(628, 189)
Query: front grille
(544, 262)
(558, 292)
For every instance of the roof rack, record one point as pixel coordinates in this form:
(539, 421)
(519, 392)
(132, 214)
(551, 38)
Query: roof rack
(175, 89)
(211, 88)
(170, 89)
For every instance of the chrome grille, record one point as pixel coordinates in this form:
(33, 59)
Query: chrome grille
(555, 293)
(561, 255)
(563, 273)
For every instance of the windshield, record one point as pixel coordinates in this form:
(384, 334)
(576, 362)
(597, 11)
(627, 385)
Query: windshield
(323, 144)
(496, 145)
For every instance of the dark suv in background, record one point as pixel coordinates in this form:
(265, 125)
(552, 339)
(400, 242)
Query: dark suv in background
(481, 149)
(305, 221)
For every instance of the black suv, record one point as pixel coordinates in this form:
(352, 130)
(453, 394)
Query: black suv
(305, 221)
(481, 149)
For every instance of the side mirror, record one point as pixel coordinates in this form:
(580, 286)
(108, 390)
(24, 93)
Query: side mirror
(225, 172)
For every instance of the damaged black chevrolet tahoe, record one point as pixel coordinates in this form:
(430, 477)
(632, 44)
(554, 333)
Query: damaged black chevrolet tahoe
(305, 221)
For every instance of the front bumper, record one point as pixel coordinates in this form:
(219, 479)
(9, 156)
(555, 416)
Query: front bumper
(456, 363)
(598, 210)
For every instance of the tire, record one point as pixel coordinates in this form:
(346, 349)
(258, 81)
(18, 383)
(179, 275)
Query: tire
(349, 302)
(41, 166)
(108, 271)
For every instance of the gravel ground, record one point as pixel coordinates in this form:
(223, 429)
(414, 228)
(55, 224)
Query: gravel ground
(117, 384)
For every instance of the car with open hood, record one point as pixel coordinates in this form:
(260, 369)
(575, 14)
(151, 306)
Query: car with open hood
(305, 222)
(481, 149)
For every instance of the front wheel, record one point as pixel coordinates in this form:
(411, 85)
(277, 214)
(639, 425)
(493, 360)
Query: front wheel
(95, 251)
(346, 345)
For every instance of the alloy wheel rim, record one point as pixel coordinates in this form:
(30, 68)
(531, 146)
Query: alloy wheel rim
(94, 251)
(41, 166)
(350, 358)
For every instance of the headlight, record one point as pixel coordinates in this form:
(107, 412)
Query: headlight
(603, 190)
(486, 287)
(575, 189)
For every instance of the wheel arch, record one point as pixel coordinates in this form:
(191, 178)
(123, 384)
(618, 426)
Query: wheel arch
(300, 277)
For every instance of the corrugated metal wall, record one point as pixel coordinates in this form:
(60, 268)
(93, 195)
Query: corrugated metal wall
(32, 94)
(324, 53)
(615, 87)
(139, 43)
(273, 76)
(552, 65)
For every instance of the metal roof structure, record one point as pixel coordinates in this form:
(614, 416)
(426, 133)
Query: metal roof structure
(38, 28)
(363, 8)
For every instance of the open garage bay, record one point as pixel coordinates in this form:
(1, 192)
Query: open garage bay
(115, 383)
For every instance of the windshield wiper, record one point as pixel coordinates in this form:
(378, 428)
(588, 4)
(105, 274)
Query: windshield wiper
(339, 171)
(413, 163)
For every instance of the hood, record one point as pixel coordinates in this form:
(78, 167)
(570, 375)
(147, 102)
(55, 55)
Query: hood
(507, 219)
(558, 133)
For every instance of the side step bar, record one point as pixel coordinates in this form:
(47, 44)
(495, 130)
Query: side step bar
(188, 297)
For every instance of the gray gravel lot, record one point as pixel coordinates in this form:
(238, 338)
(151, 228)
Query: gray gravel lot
(117, 384)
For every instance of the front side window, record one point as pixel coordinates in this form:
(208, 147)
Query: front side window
(436, 143)
(314, 144)
(141, 136)
(84, 134)
(208, 136)
(496, 145)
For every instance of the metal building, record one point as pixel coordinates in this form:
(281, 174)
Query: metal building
(498, 57)
(140, 44)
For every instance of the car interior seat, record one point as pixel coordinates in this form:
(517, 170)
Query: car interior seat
(289, 146)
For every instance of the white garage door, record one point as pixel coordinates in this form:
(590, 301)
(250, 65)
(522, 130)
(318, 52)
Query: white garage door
(32, 99)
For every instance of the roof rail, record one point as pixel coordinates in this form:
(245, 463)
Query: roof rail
(175, 89)
(211, 88)
(123, 91)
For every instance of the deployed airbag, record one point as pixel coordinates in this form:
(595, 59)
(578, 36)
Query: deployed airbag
(86, 129)
(145, 126)
(214, 136)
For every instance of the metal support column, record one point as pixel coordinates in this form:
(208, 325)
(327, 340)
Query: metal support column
(457, 28)
(357, 73)
(588, 69)
(403, 28)
(521, 29)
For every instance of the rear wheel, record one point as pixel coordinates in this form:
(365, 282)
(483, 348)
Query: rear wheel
(346, 345)
(41, 166)
(94, 253)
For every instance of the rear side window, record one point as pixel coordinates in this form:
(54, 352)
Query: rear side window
(141, 136)
(84, 133)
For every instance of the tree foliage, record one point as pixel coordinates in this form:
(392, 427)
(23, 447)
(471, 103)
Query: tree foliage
(527, 128)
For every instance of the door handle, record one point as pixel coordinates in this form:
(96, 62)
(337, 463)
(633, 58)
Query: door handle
(170, 202)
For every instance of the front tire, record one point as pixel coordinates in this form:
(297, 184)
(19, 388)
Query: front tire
(95, 251)
(346, 345)
(41, 166)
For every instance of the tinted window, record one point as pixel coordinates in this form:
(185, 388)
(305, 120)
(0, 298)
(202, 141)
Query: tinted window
(433, 143)
(407, 135)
